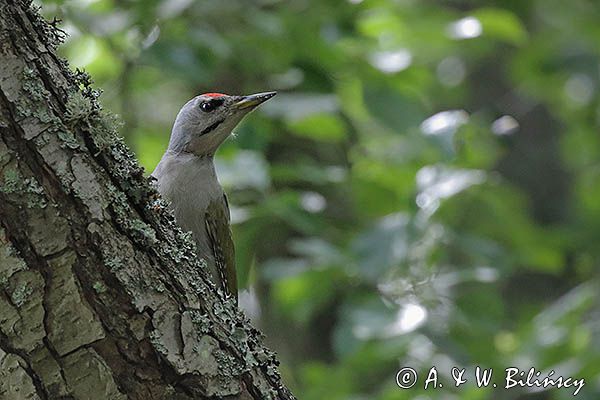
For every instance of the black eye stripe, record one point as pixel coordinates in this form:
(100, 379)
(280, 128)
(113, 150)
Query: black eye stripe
(210, 105)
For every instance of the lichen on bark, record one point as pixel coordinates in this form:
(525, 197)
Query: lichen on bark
(102, 295)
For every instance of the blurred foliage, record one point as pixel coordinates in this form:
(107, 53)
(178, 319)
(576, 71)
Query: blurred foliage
(423, 191)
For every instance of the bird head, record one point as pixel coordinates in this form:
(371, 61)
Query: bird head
(205, 121)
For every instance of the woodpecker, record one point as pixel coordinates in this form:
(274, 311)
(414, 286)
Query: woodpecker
(187, 179)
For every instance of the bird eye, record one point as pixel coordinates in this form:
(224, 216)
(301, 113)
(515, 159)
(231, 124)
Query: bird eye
(207, 106)
(210, 105)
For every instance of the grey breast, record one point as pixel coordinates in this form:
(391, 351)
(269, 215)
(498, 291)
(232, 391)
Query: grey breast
(189, 184)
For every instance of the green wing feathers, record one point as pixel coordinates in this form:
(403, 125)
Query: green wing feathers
(221, 241)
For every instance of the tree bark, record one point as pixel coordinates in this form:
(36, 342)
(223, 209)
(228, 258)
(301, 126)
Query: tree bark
(101, 295)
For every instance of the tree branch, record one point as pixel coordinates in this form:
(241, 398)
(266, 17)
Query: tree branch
(102, 295)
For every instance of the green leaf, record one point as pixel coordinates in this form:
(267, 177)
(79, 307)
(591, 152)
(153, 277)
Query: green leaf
(322, 127)
(502, 24)
(397, 110)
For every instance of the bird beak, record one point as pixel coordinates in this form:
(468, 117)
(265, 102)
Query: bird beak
(253, 100)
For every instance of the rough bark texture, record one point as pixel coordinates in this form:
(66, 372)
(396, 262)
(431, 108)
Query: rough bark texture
(101, 296)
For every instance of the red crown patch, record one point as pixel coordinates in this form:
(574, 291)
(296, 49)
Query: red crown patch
(214, 94)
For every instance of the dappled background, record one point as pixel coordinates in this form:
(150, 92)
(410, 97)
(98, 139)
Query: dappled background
(425, 189)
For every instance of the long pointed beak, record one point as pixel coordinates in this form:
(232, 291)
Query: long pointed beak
(253, 100)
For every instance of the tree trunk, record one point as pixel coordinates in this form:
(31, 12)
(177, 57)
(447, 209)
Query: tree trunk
(101, 295)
